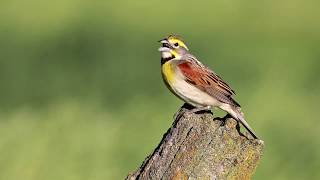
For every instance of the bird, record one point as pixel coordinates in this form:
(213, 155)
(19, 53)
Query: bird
(194, 83)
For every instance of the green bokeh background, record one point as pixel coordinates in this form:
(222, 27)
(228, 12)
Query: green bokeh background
(82, 96)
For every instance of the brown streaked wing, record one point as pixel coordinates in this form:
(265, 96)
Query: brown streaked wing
(206, 80)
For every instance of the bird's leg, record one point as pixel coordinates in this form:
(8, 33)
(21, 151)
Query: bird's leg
(198, 109)
(238, 127)
(224, 119)
(239, 131)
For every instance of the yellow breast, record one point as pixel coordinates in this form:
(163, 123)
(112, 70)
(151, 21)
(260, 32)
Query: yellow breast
(168, 72)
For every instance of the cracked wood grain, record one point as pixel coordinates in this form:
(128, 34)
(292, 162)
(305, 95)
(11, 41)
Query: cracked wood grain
(197, 146)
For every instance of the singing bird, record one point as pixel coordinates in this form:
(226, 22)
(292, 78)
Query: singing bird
(195, 83)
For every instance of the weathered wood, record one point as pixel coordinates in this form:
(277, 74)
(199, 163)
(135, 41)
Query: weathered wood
(197, 146)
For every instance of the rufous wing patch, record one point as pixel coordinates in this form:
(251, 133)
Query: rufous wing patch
(206, 80)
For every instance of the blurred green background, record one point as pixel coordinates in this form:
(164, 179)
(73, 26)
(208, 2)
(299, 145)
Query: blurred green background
(82, 95)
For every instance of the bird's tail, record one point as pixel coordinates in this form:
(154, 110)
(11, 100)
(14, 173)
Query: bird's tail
(246, 125)
(237, 114)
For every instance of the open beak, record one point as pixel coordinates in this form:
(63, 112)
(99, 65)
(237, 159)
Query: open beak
(165, 45)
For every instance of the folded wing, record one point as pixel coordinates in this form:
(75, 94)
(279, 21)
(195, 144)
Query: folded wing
(207, 81)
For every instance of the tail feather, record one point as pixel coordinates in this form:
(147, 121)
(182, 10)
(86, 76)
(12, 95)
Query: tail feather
(237, 114)
(246, 125)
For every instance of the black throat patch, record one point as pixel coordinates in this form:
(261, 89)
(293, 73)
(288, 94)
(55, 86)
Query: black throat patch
(164, 60)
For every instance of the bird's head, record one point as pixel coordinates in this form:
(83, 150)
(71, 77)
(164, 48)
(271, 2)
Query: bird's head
(172, 47)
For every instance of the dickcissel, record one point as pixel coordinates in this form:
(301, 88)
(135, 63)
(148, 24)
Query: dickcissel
(195, 83)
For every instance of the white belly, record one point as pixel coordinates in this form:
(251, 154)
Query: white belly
(193, 95)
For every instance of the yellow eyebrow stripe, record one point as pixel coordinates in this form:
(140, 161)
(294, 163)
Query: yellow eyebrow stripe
(181, 43)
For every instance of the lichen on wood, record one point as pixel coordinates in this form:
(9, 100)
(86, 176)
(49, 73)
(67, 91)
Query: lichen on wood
(198, 146)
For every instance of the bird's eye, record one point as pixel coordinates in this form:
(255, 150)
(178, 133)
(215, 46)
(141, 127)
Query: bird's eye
(176, 44)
